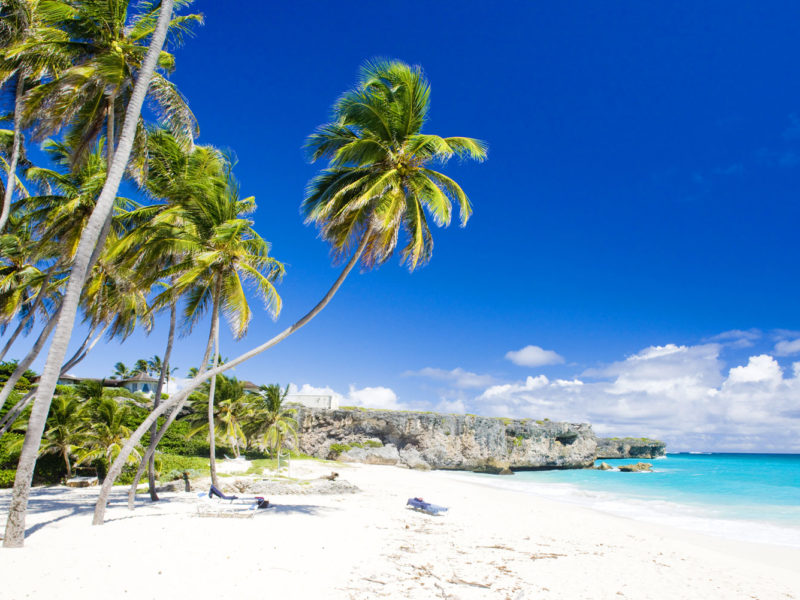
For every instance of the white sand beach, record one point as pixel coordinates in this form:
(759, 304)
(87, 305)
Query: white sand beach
(492, 543)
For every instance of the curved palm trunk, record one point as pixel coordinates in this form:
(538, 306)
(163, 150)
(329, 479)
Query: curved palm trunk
(11, 181)
(151, 450)
(26, 362)
(180, 398)
(31, 313)
(151, 467)
(110, 130)
(80, 354)
(212, 449)
(15, 525)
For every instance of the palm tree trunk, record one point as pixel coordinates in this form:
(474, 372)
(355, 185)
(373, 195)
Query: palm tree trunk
(65, 453)
(151, 450)
(151, 467)
(11, 181)
(212, 450)
(26, 362)
(24, 322)
(110, 130)
(80, 354)
(179, 398)
(17, 511)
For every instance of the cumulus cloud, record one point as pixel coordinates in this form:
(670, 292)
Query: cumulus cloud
(368, 397)
(534, 356)
(787, 347)
(457, 377)
(683, 394)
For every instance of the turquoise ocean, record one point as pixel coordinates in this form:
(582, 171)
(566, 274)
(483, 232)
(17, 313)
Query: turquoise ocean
(751, 497)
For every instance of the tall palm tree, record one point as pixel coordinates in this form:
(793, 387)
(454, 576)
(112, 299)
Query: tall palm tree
(91, 95)
(15, 523)
(222, 252)
(391, 97)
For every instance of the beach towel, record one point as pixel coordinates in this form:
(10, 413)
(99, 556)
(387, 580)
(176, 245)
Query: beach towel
(426, 507)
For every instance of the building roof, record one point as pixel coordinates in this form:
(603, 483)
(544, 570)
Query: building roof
(139, 377)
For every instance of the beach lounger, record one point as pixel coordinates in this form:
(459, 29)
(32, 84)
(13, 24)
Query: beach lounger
(426, 507)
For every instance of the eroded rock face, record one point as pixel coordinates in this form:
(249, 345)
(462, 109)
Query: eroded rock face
(630, 448)
(428, 440)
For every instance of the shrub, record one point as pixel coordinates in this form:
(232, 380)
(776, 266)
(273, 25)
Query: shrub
(7, 478)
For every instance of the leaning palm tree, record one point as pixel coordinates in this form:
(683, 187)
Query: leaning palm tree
(15, 523)
(385, 112)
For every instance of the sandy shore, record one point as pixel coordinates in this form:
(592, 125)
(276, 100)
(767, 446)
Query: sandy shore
(492, 544)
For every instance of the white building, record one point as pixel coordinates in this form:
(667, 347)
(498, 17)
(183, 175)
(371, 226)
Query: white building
(313, 400)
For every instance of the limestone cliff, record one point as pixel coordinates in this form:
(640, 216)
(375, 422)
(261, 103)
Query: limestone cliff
(630, 448)
(428, 440)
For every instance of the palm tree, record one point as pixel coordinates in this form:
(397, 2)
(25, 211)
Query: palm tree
(230, 408)
(66, 428)
(222, 252)
(121, 371)
(91, 95)
(32, 49)
(393, 97)
(60, 214)
(15, 523)
(108, 433)
(273, 422)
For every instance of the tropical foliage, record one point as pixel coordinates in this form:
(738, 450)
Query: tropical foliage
(76, 73)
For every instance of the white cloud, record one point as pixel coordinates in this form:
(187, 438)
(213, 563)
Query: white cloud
(737, 338)
(787, 347)
(534, 356)
(457, 377)
(758, 369)
(683, 394)
(368, 397)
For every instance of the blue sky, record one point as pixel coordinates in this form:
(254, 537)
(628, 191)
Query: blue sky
(639, 200)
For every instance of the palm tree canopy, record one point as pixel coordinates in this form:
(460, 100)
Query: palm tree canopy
(379, 181)
(205, 228)
(109, 42)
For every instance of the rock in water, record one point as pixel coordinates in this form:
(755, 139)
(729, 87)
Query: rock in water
(630, 448)
(641, 467)
(604, 466)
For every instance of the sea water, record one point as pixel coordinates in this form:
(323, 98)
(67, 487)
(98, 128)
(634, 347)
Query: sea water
(751, 497)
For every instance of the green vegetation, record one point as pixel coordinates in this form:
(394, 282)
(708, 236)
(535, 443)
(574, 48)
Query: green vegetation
(185, 241)
(7, 478)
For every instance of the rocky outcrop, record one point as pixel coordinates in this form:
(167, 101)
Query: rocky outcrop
(641, 467)
(427, 440)
(630, 448)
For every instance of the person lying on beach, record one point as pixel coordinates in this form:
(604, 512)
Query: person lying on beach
(216, 492)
